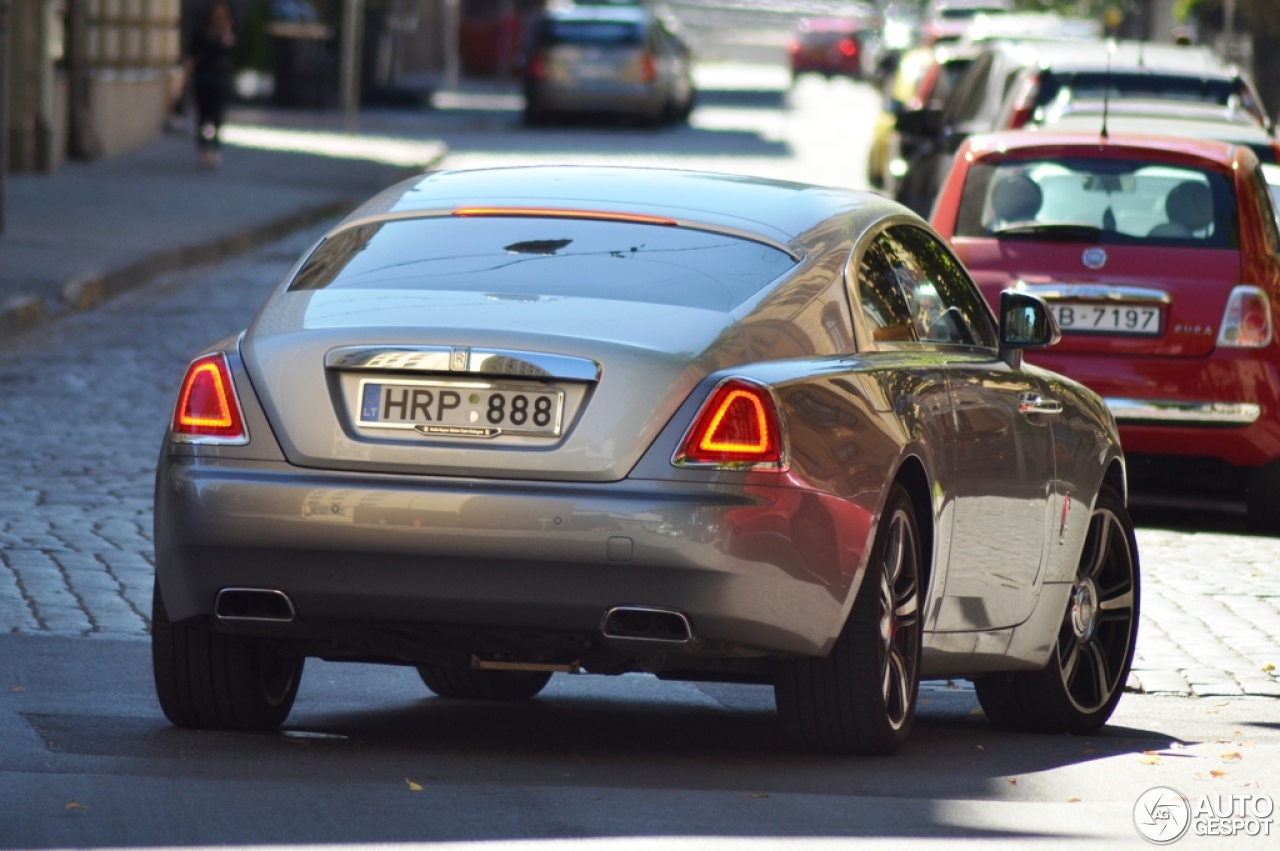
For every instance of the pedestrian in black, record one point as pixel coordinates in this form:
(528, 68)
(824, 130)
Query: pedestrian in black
(211, 70)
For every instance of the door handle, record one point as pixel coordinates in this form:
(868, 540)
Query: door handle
(1034, 403)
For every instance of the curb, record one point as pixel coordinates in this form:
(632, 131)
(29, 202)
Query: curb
(85, 292)
(23, 313)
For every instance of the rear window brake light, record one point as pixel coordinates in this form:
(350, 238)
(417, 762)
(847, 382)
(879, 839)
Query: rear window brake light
(560, 213)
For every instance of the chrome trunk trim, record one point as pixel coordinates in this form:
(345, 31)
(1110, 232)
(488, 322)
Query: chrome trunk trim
(508, 362)
(1094, 292)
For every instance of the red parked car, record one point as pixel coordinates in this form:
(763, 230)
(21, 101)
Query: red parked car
(1158, 257)
(834, 47)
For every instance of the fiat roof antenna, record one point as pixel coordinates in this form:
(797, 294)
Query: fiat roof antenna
(1106, 88)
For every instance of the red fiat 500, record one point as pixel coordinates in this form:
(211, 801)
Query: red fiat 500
(1158, 257)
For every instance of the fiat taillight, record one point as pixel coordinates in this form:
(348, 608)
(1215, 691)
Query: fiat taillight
(208, 410)
(738, 426)
(1246, 324)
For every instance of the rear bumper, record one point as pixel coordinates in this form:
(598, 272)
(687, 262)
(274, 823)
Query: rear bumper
(611, 98)
(761, 569)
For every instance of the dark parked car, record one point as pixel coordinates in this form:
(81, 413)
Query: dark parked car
(1012, 83)
(510, 422)
(621, 60)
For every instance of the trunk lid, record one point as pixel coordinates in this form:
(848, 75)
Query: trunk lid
(611, 373)
(1115, 299)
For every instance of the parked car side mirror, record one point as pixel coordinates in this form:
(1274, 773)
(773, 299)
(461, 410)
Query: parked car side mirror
(919, 122)
(1025, 323)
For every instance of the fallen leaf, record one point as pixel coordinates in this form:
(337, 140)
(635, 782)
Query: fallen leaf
(76, 805)
(1232, 756)
(1073, 799)
(1149, 759)
(1151, 753)
(19, 688)
(977, 711)
(980, 747)
(756, 795)
(1217, 772)
(1268, 667)
(1013, 781)
(413, 787)
(1224, 703)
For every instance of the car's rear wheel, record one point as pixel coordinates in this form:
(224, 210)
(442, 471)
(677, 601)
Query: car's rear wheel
(209, 681)
(1085, 678)
(480, 684)
(861, 699)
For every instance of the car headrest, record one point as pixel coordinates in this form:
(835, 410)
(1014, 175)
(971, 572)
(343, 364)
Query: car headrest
(1016, 198)
(1190, 204)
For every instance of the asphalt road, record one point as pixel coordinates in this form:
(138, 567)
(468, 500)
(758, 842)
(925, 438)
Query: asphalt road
(87, 760)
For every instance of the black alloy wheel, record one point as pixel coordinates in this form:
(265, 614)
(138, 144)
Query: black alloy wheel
(1085, 678)
(861, 699)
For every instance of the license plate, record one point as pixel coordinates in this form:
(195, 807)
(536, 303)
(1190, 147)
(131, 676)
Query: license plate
(1082, 318)
(461, 408)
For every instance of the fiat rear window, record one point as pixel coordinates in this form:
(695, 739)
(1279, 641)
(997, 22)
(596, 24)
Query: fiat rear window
(528, 256)
(598, 33)
(1100, 200)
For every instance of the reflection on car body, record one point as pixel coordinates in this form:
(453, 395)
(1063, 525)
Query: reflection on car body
(797, 449)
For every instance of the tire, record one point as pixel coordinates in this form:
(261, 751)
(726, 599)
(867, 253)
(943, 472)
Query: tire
(1264, 499)
(861, 699)
(473, 684)
(1085, 678)
(209, 681)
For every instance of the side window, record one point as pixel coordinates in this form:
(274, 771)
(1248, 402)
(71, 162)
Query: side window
(946, 306)
(881, 298)
(1268, 210)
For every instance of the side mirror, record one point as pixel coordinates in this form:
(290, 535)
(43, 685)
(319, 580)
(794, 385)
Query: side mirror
(1025, 323)
(919, 122)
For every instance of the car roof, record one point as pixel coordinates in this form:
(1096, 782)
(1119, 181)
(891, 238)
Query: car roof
(1134, 56)
(1167, 125)
(772, 211)
(1171, 109)
(1210, 152)
(1029, 26)
(833, 24)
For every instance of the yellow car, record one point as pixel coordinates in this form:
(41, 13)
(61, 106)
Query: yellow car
(902, 93)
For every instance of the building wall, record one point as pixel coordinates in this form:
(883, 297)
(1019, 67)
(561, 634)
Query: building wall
(134, 48)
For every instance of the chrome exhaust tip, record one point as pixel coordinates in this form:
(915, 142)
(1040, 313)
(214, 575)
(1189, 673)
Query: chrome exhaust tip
(647, 623)
(254, 604)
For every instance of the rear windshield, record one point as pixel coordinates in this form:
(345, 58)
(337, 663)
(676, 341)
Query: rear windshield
(1099, 200)
(523, 257)
(1096, 85)
(591, 33)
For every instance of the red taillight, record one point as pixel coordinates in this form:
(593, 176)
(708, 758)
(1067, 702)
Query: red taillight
(538, 66)
(207, 408)
(1024, 104)
(1246, 324)
(737, 426)
(848, 47)
(648, 68)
